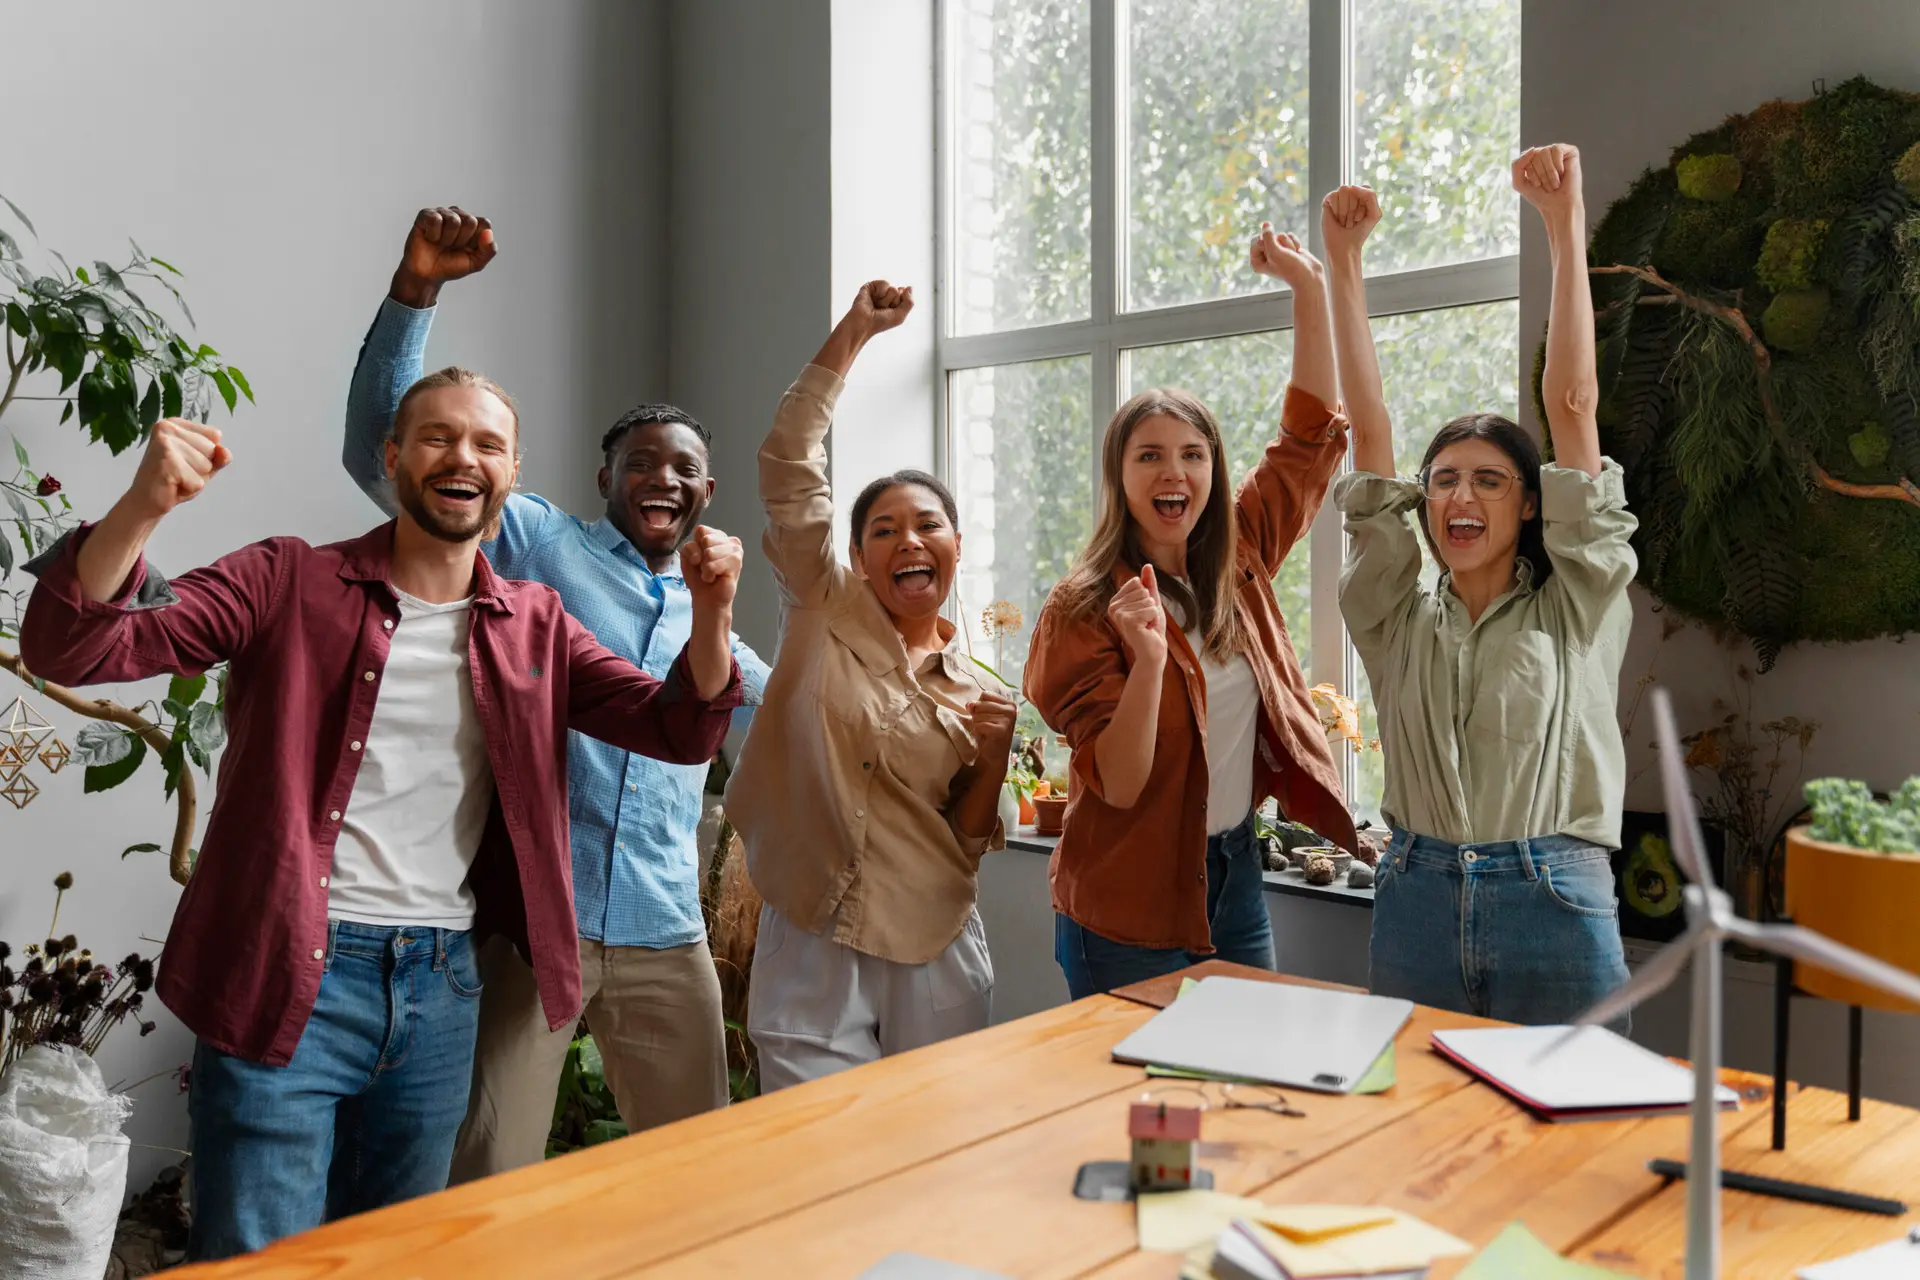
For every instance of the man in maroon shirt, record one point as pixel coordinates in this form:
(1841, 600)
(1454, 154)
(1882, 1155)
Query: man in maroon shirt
(393, 790)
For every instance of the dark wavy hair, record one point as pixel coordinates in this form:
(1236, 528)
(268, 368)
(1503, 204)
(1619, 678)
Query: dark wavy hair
(863, 505)
(1507, 436)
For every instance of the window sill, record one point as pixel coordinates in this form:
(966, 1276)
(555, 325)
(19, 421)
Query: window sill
(1291, 883)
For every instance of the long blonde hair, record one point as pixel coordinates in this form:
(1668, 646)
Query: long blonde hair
(1211, 548)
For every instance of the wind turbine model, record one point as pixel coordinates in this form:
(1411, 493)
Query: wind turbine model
(1711, 920)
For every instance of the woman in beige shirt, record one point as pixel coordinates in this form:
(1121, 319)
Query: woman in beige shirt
(869, 787)
(1496, 689)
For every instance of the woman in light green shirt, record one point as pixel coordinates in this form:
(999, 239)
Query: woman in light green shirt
(1496, 689)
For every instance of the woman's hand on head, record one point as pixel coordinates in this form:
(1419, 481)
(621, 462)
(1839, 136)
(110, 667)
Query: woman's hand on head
(1282, 256)
(1136, 613)
(1347, 217)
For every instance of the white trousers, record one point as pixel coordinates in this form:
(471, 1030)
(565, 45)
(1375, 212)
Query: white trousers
(816, 1007)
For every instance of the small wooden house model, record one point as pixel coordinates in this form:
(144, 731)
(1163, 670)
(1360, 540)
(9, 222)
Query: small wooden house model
(1164, 1142)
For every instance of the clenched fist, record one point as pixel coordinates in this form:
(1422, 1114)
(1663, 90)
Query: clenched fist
(1347, 217)
(1280, 255)
(994, 715)
(1548, 178)
(1136, 613)
(181, 457)
(880, 306)
(710, 561)
(444, 244)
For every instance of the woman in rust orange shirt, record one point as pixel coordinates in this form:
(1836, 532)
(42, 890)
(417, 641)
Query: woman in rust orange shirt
(1179, 732)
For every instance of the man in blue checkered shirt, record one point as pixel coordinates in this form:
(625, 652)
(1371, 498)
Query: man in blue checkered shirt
(653, 999)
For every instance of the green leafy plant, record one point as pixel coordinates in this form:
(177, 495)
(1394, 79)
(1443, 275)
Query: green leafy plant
(1757, 307)
(583, 1111)
(116, 366)
(1847, 812)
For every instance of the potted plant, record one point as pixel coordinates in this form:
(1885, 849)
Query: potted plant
(1050, 795)
(1853, 874)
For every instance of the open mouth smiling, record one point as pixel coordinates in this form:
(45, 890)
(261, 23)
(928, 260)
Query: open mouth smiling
(1171, 507)
(915, 579)
(659, 513)
(457, 490)
(1465, 530)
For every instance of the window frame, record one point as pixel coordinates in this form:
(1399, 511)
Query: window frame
(1111, 331)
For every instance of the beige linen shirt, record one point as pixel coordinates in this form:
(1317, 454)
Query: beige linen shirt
(1506, 727)
(845, 788)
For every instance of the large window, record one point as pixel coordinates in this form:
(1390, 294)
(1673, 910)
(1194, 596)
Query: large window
(1104, 163)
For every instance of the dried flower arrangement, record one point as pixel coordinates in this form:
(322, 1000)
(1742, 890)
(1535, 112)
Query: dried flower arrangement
(60, 995)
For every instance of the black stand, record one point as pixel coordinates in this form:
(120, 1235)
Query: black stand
(1780, 1188)
(1783, 993)
(1112, 1180)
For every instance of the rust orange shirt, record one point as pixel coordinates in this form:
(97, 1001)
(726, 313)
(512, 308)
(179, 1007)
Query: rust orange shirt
(1139, 875)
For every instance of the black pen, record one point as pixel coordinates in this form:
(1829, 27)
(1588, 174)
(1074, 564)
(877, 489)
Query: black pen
(1784, 1190)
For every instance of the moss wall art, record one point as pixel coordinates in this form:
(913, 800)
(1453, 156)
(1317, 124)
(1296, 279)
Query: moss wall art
(1758, 310)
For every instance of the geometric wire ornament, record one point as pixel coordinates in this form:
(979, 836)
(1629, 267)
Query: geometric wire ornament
(19, 790)
(24, 727)
(55, 755)
(12, 760)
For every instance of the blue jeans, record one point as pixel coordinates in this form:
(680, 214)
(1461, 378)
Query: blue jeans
(1236, 915)
(1524, 931)
(366, 1112)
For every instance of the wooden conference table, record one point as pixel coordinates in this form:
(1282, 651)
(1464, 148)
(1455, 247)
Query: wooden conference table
(966, 1151)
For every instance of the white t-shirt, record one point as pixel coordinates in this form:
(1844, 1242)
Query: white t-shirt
(1233, 714)
(1233, 718)
(420, 799)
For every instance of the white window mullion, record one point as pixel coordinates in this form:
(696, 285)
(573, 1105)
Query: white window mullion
(1109, 122)
(1328, 80)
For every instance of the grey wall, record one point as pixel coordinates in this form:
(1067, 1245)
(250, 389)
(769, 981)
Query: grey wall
(276, 154)
(1627, 81)
(750, 232)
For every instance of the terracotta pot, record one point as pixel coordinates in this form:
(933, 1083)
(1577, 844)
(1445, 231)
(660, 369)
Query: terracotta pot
(1863, 899)
(1026, 810)
(1049, 815)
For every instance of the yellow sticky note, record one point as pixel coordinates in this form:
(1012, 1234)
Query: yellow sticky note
(1176, 1221)
(1310, 1241)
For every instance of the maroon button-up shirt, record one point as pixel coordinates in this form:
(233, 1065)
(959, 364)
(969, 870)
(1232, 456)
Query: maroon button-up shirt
(305, 630)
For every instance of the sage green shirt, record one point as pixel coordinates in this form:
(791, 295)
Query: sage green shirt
(1506, 727)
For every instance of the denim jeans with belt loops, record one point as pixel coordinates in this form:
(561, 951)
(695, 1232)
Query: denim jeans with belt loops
(1524, 931)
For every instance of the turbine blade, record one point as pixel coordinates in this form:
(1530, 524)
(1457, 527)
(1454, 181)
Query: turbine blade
(1819, 950)
(1655, 976)
(1683, 824)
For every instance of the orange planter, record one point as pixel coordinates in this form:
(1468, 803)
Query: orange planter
(1026, 810)
(1865, 900)
(1049, 815)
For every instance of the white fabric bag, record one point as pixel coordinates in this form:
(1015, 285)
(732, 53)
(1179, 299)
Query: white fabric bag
(63, 1166)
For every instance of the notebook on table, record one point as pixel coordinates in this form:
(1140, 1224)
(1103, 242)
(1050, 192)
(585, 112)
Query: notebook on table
(1302, 1037)
(1596, 1075)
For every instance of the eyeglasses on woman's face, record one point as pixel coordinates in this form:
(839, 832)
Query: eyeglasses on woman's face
(1488, 484)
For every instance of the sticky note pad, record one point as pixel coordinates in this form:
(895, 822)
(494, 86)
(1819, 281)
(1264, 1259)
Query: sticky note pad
(1518, 1254)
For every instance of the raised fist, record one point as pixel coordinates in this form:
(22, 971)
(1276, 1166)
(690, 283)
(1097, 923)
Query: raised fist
(1347, 217)
(181, 457)
(1281, 255)
(1548, 178)
(443, 244)
(880, 306)
(710, 562)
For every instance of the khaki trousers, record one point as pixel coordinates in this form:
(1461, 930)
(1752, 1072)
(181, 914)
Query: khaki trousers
(816, 1007)
(655, 1016)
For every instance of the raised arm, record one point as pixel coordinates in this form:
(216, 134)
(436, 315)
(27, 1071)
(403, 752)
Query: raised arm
(99, 614)
(1549, 179)
(443, 244)
(794, 485)
(1278, 500)
(1347, 216)
(611, 699)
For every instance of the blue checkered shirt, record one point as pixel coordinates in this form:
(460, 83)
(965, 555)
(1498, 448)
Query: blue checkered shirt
(634, 819)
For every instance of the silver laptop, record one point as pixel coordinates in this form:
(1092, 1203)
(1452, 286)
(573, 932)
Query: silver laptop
(1274, 1032)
